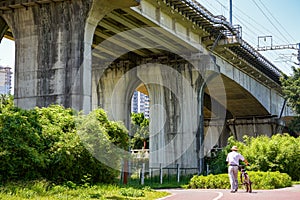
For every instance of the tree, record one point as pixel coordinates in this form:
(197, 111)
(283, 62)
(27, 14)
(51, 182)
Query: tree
(58, 144)
(291, 90)
(140, 131)
(6, 102)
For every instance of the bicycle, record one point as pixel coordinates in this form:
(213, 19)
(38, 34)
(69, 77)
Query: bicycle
(245, 179)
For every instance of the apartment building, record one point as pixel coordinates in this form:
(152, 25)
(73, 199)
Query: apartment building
(5, 80)
(140, 104)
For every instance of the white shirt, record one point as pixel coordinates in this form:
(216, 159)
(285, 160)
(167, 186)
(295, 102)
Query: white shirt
(234, 157)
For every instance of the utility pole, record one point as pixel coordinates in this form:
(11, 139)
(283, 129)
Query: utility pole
(230, 11)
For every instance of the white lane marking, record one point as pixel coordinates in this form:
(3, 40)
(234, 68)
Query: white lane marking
(174, 192)
(219, 196)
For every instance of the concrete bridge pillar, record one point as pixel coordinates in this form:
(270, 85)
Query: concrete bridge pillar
(53, 51)
(176, 107)
(174, 116)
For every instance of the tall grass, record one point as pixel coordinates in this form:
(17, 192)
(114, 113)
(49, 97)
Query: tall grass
(43, 190)
(154, 182)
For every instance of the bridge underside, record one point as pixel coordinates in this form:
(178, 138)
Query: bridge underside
(193, 105)
(175, 116)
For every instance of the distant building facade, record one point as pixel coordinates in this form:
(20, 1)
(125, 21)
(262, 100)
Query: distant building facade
(140, 104)
(5, 80)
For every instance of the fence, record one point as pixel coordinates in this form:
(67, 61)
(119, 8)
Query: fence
(158, 173)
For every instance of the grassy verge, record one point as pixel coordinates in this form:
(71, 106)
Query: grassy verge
(43, 190)
(154, 183)
(296, 182)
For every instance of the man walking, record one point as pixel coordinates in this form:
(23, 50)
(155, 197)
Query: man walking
(233, 159)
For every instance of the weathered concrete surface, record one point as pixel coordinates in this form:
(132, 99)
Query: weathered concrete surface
(174, 95)
(177, 135)
(258, 93)
(53, 51)
(244, 91)
(53, 65)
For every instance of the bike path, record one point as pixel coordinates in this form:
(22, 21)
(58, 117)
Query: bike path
(291, 193)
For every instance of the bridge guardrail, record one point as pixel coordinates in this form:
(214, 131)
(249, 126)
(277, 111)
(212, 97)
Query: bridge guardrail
(231, 30)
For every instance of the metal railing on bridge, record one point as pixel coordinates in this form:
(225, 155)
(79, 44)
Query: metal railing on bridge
(215, 25)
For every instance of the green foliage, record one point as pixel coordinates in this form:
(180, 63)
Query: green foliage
(118, 134)
(102, 143)
(45, 143)
(220, 181)
(260, 180)
(295, 124)
(44, 190)
(217, 164)
(169, 181)
(277, 153)
(21, 147)
(270, 180)
(291, 90)
(140, 131)
(6, 102)
(131, 192)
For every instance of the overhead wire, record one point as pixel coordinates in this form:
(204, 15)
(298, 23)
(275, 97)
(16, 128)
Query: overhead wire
(286, 59)
(277, 21)
(282, 35)
(252, 28)
(210, 6)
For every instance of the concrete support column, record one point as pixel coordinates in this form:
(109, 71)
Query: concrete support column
(53, 51)
(159, 118)
(174, 109)
(200, 132)
(207, 136)
(174, 114)
(176, 95)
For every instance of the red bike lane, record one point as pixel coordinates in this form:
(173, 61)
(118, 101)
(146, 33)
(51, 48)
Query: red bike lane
(291, 193)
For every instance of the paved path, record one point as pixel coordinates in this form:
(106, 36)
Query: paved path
(291, 193)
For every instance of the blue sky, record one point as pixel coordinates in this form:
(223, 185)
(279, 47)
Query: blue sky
(7, 53)
(283, 25)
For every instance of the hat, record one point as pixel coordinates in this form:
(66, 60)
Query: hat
(234, 148)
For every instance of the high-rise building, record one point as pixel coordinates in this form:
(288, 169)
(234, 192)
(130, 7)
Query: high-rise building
(140, 103)
(5, 80)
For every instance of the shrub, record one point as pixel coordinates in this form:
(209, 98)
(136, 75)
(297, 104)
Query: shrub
(280, 152)
(277, 153)
(261, 180)
(43, 143)
(220, 181)
(131, 192)
(270, 180)
(21, 148)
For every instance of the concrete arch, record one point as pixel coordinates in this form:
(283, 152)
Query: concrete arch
(176, 96)
(171, 119)
(269, 99)
(3, 27)
(242, 102)
(246, 114)
(113, 91)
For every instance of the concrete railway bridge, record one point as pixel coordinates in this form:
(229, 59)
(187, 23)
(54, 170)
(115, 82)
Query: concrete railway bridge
(204, 81)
